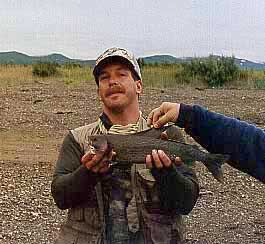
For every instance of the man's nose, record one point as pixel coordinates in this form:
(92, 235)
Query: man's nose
(113, 80)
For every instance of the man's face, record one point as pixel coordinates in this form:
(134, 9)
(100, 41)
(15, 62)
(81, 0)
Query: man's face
(117, 88)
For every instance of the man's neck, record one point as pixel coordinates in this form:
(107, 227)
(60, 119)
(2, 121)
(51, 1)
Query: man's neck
(123, 117)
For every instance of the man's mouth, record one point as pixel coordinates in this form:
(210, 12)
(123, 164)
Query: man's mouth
(113, 91)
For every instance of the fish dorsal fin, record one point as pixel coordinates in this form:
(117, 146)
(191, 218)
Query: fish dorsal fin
(152, 132)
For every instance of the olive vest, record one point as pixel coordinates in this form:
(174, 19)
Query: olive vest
(124, 207)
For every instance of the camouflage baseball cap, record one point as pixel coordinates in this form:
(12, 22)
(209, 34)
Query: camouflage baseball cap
(116, 54)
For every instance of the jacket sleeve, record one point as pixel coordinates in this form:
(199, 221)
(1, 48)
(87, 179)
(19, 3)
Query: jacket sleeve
(244, 142)
(72, 183)
(178, 188)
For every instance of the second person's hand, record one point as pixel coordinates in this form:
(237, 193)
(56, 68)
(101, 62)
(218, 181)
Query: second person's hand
(166, 112)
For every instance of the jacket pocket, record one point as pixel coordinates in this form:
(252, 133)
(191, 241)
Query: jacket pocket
(162, 229)
(92, 217)
(148, 190)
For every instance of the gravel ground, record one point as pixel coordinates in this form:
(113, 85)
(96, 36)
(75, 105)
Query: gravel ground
(28, 214)
(35, 117)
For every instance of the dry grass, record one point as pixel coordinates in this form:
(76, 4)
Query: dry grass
(13, 74)
(22, 74)
(160, 76)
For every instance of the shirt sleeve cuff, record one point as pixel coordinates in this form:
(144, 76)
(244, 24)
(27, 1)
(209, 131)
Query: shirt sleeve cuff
(185, 114)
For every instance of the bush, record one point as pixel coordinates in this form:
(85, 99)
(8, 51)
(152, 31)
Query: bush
(45, 69)
(260, 84)
(213, 70)
(141, 62)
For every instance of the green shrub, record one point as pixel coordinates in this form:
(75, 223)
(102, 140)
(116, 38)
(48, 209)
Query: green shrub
(45, 69)
(260, 84)
(141, 62)
(215, 71)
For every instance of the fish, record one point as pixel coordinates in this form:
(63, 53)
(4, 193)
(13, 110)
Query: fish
(133, 148)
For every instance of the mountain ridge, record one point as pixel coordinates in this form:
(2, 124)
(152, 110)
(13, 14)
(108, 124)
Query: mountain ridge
(14, 57)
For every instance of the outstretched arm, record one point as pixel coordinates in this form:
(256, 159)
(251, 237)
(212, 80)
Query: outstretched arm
(244, 142)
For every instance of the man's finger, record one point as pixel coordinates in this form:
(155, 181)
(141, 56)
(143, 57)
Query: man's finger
(104, 163)
(103, 166)
(95, 160)
(157, 114)
(148, 161)
(87, 157)
(150, 118)
(164, 158)
(161, 121)
(157, 161)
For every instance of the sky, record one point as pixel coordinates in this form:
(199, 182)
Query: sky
(83, 29)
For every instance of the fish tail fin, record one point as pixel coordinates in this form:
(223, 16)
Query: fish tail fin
(214, 164)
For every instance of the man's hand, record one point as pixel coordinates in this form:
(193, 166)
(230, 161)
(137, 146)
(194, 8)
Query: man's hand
(159, 159)
(97, 162)
(167, 112)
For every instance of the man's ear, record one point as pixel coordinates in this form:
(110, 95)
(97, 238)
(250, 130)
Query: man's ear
(139, 87)
(99, 97)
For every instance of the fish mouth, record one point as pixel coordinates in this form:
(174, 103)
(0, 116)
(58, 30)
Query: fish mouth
(100, 144)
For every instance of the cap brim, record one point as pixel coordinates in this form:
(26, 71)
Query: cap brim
(111, 59)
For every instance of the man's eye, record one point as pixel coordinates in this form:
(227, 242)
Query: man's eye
(103, 77)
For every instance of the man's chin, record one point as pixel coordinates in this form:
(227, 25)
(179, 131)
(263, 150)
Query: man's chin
(115, 107)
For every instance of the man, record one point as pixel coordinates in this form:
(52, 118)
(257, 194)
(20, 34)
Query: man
(244, 142)
(140, 204)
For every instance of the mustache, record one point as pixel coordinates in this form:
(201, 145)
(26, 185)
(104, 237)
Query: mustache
(114, 89)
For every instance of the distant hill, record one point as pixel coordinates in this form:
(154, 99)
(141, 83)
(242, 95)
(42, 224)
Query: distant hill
(246, 64)
(20, 58)
(161, 59)
(242, 63)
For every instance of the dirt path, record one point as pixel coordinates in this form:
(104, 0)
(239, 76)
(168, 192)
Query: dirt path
(35, 117)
